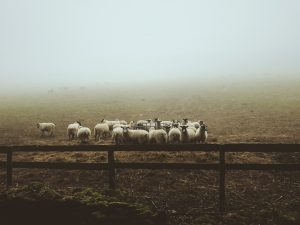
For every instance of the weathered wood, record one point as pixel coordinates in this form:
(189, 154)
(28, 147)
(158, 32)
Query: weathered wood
(4, 149)
(222, 181)
(170, 166)
(60, 165)
(111, 165)
(261, 147)
(263, 167)
(111, 169)
(176, 147)
(9, 168)
(176, 166)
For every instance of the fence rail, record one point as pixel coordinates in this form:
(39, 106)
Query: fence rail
(112, 165)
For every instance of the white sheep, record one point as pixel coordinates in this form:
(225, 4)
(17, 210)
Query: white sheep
(185, 121)
(192, 127)
(135, 136)
(101, 130)
(73, 129)
(188, 134)
(84, 134)
(165, 123)
(110, 123)
(118, 135)
(123, 122)
(201, 134)
(159, 136)
(174, 135)
(131, 124)
(144, 124)
(194, 124)
(46, 127)
(118, 125)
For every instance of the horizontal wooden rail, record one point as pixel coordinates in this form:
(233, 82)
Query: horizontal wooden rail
(57, 165)
(261, 147)
(152, 147)
(171, 166)
(256, 166)
(111, 165)
(121, 165)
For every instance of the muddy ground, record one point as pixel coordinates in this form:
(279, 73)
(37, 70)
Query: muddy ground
(253, 112)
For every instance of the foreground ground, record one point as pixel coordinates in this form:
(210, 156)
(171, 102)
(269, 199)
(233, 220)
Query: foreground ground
(253, 113)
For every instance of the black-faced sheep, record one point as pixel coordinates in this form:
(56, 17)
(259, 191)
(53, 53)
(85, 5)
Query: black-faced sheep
(188, 135)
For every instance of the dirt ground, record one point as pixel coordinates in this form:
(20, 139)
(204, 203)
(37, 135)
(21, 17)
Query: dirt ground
(235, 113)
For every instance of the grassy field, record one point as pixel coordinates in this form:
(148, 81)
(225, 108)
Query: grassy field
(250, 112)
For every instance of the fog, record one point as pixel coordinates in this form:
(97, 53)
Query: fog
(59, 44)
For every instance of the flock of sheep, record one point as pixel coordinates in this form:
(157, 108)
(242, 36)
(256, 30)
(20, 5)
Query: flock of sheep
(142, 132)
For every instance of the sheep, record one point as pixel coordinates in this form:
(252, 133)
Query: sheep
(167, 128)
(201, 122)
(144, 124)
(194, 124)
(46, 127)
(101, 130)
(174, 135)
(166, 125)
(188, 135)
(192, 128)
(110, 123)
(159, 136)
(84, 134)
(185, 121)
(117, 125)
(157, 124)
(118, 135)
(123, 122)
(72, 129)
(201, 134)
(135, 136)
(131, 124)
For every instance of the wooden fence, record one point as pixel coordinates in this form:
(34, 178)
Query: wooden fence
(112, 165)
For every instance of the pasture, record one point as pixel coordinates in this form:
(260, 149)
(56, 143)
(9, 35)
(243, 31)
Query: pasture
(251, 112)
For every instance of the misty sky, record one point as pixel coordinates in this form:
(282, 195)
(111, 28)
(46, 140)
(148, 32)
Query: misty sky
(57, 42)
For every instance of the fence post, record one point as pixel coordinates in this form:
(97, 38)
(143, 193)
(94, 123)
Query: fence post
(222, 180)
(111, 169)
(9, 168)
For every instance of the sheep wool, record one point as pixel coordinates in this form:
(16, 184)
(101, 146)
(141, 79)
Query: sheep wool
(84, 134)
(135, 136)
(101, 130)
(174, 135)
(73, 129)
(201, 134)
(159, 136)
(46, 128)
(118, 135)
(188, 135)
